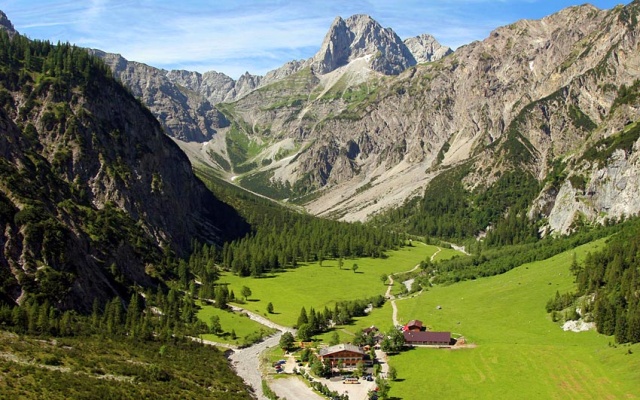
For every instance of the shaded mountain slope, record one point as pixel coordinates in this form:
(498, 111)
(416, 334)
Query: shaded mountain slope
(91, 188)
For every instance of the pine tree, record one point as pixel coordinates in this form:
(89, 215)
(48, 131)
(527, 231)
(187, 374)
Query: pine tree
(302, 319)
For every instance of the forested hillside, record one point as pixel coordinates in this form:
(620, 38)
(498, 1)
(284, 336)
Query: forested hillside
(282, 237)
(91, 191)
(611, 278)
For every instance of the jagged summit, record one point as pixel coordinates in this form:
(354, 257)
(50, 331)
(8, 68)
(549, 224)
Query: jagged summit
(359, 36)
(425, 48)
(6, 24)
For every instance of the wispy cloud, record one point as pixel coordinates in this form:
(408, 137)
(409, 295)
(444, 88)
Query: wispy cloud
(253, 35)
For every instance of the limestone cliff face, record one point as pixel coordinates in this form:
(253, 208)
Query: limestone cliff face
(184, 114)
(360, 36)
(530, 94)
(91, 188)
(425, 48)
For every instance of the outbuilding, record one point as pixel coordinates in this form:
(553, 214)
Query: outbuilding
(427, 338)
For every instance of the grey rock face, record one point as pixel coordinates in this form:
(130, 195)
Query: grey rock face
(6, 24)
(425, 48)
(184, 113)
(359, 36)
(544, 86)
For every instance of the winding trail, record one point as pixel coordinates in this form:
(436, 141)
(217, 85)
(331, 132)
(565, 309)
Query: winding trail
(262, 320)
(388, 295)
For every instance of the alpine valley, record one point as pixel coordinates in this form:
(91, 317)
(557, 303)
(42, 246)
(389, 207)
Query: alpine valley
(139, 206)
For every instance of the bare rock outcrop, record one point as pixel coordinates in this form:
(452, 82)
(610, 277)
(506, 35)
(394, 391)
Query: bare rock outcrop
(360, 36)
(425, 48)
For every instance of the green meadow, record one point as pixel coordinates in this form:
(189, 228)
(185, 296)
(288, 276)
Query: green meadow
(520, 352)
(246, 330)
(445, 254)
(379, 317)
(312, 285)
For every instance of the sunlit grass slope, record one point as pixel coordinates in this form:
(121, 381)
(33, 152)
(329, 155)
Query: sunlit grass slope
(314, 286)
(520, 352)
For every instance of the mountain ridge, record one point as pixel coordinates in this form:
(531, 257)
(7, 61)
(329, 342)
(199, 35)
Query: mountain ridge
(93, 194)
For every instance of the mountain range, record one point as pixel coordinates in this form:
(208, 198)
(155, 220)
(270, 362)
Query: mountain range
(367, 122)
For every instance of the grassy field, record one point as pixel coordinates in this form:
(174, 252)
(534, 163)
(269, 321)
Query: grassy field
(520, 352)
(446, 254)
(246, 330)
(380, 317)
(314, 286)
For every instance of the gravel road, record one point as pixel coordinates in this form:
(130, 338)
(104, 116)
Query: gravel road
(247, 363)
(293, 388)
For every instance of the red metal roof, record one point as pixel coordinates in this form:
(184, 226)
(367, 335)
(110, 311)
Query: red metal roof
(426, 336)
(414, 322)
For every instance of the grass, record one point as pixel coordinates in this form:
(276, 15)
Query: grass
(380, 317)
(311, 285)
(446, 254)
(246, 330)
(521, 353)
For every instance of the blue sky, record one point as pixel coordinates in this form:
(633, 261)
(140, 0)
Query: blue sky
(257, 36)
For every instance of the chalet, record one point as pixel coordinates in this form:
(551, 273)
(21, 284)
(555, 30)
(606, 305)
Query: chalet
(427, 338)
(372, 330)
(413, 326)
(342, 355)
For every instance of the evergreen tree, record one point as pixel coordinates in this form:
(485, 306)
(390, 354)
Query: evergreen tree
(302, 318)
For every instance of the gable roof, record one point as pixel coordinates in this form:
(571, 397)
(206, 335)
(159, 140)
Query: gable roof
(438, 337)
(340, 347)
(415, 322)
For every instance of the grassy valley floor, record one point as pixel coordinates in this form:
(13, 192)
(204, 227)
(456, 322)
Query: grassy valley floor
(520, 352)
(311, 285)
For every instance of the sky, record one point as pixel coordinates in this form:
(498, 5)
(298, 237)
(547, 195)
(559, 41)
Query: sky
(236, 36)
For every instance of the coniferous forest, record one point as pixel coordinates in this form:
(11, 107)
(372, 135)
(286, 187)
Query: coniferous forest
(612, 278)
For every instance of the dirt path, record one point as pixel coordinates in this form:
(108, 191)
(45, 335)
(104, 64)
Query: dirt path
(388, 295)
(435, 254)
(293, 388)
(247, 361)
(262, 320)
(459, 248)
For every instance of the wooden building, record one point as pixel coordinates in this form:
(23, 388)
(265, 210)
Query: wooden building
(427, 338)
(414, 326)
(342, 355)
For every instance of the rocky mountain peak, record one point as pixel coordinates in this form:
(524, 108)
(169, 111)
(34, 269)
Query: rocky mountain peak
(6, 24)
(425, 48)
(359, 36)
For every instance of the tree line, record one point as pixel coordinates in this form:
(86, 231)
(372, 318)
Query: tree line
(495, 261)
(284, 239)
(451, 211)
(612, 277)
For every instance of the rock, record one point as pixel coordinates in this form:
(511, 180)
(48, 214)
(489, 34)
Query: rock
(578, 326)
(6, 25)
(425, 48)
(360, 36)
